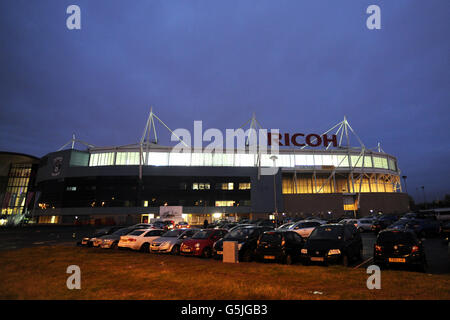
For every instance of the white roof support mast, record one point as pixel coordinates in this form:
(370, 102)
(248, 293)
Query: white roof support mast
(145, 139)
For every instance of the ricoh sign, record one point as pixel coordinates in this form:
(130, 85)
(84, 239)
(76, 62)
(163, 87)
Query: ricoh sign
(239, 138)
(301, 140)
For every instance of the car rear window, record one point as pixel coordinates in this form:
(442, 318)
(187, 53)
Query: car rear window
(397, 237)
(271, 237)
(136, 233)
(327, 233)
(240, 233)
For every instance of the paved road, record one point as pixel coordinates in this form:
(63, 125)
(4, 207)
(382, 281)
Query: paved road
(30, 236)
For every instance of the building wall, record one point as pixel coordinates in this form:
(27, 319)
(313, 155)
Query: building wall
(307, 204)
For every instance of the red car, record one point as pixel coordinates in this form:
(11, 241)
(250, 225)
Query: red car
(202, 242)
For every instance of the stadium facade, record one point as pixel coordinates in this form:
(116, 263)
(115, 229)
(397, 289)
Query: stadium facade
(128, 184)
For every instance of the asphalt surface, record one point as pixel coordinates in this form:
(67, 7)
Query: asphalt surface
(436, 251)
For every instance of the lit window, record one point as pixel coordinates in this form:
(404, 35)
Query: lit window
(200, 186)
(244, 186)
(71, 188)
(225, 203)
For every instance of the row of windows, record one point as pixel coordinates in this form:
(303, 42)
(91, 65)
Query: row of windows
(241, 160)
(338, 185)
(221, 186)
(20, 170)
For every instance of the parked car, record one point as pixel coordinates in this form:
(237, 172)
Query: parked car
(111, 241)
(89, 241)
(266, 223)
(279, 245)
(399, 247)
(364, 224)
(170, 241)
(349, 221)
(401, 224)
(201, 243)
(240, 226)
(305, 227)
(229, 225)
(247, 238)
(424, 227)
(333, 243)
(143, 226)
(139, 239)
(382, 222)
(182, 225)
(285, 226)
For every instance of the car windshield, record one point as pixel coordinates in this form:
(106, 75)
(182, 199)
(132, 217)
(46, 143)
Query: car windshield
(396, 237)
(172, 233)
(271, 237)
(327, 233)
(204, 234)
(240, 233)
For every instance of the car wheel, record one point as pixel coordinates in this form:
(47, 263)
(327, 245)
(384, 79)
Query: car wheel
(247, 256)
(206, 253)
(345, 261)
(114, 245)
(288, 259)
(145, 247)
(175, 250)
(361, 230)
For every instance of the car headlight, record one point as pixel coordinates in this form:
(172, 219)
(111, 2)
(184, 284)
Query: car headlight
(197, 245)
(334, 251)
(304, 251)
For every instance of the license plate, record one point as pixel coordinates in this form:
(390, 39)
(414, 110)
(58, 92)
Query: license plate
(186, 250)
(269, 257)
(316, 258)
(219, 252)
(397, 260)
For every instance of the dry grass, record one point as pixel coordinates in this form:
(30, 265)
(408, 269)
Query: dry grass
(40, 273)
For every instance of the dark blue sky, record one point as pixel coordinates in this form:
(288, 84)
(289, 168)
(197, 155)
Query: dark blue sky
(301, 65)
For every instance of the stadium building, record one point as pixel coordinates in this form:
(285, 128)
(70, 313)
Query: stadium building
(133, 183)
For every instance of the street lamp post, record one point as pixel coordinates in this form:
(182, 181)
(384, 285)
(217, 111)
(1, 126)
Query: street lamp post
(404, 179)
(274, 158)
(424, 199)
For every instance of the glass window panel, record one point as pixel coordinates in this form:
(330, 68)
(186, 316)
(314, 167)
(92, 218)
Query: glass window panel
(244, 160)
(179, 159)
(317, 159)
(158, 159)
(342, 161)
(327, 160)
(197, 159)
(217, 160)
(208, 159)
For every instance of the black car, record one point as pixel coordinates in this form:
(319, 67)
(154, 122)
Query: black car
(399, 247)
(279, 245)
(445, 231)
(383, 222)
(333, 243)
(88, 241)
(247, 238)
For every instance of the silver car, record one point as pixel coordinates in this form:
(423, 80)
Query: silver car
(170, 241)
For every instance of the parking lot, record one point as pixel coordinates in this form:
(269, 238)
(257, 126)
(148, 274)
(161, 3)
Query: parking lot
(35, 236)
